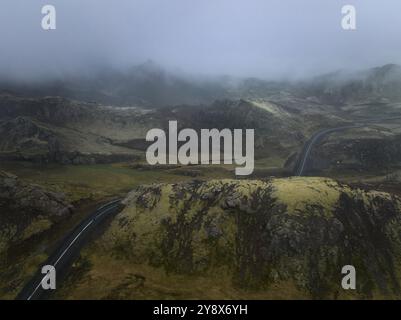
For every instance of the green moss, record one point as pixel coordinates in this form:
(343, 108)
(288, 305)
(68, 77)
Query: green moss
(233, 239)
(37, 226)
(99, 181)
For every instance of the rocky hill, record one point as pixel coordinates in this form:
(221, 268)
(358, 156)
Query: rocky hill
(55, 129)
(246, 239)
(26, 210)
(376, 85)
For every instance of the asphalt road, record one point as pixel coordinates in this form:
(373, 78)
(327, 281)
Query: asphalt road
(67, 251)
(302, 163)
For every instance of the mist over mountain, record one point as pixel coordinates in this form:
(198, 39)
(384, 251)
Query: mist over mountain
(199, 52)
(263, 39)
(380, 84)
(150, 85)
(147, 84)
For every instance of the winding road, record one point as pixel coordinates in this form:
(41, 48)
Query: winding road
(69, 249)
(319, 135)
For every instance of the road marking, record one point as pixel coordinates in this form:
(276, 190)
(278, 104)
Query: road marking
(306, 155)
(70, 245)
(317, 136)
(72, 242)
(107, 204)
(100, 214)
(362, 123)
(64, 252)
(29, 298)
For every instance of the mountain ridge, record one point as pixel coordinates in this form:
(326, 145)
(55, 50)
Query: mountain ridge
(150, 85)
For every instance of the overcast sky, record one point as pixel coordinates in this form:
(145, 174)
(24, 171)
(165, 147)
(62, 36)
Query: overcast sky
(265, 38)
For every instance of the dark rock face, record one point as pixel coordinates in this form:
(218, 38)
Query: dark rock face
(27, 140)
(54, 110)
(24, 206)
(370, 154)
(53, 129)
(381, 84)
(31, 198)
(263, 234)
(378, 258)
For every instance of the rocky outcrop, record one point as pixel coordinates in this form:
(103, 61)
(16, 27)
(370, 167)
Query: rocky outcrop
(27, 210)
(56, 110)
(25, 139)
(370, 154)
(376, 85)
(54, 129)
(263, 236)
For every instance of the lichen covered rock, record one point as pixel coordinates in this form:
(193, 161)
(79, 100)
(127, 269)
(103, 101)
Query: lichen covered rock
(261, 234)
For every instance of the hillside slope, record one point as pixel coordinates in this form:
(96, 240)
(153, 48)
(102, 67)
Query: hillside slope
(26, 210)
(281, 238)
(54, 129)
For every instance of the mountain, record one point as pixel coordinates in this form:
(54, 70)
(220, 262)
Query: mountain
(284, 115)
(55, 129)
(149, 85)
(145, 85)
(376, 85)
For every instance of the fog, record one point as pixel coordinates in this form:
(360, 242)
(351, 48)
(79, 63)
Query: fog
(262, 38)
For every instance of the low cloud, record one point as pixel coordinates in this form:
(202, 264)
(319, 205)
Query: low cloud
(263, 38)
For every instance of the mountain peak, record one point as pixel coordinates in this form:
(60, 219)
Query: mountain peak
(149, 67)
(387, 69)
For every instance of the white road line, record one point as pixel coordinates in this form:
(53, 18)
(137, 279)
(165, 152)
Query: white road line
(100, 214)
(64, 252)
(72, 242)
(306, 156)
(36, 289)
(363, 123)
(307, 153)
(107, 204)
(317, 136)
(69, 246)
